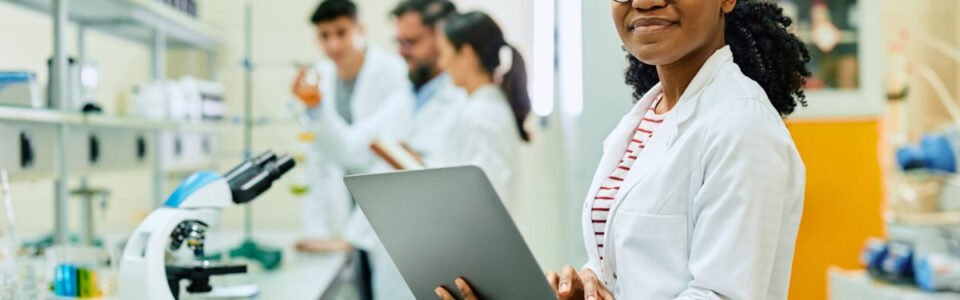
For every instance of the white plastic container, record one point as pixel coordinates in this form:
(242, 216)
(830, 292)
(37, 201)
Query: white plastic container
(20, 88)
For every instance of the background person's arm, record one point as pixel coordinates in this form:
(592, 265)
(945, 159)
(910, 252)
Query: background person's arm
(349, 145)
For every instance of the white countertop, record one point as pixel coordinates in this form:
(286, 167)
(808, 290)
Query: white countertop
(300, 275)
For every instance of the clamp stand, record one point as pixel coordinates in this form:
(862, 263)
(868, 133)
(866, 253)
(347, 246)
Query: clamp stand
(269, 257)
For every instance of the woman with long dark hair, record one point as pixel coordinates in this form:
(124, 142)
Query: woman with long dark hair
(699, 192)
(489, 126)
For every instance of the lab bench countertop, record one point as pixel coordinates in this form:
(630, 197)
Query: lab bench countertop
(300, 275)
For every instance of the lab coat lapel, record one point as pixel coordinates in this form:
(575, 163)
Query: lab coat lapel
(614, 147)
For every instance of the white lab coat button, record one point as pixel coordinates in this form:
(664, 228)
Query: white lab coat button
(614, 275)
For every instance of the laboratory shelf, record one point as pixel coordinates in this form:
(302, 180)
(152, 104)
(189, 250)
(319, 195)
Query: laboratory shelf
(136, 20)
(142, 123)
(9, 113)
(27, 132)
(102, 143)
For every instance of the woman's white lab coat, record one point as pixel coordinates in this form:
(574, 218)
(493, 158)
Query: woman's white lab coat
(326, 207)
(485, 134)
(711, 207)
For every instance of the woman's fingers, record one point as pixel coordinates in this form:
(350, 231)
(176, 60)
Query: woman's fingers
(552, 278)
(605, 294)
(569, 282)
(593, 289)
(590, 289)
(443, 294)
(591, 286)
(465, 291)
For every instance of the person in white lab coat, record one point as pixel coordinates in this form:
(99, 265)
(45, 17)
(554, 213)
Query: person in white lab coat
(435, 96)
(419, 119)
(699, 192)
(345, 91)
(488, 129)
(419, 116)
(485, 129)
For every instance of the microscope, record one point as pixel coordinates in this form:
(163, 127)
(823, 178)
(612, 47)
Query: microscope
(177, 231)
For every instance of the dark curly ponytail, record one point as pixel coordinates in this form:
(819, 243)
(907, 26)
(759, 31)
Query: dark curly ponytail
(763, 48)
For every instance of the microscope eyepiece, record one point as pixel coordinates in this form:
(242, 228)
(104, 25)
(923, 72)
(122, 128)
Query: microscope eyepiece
(258, 175)
(282, 165)
(265, 158)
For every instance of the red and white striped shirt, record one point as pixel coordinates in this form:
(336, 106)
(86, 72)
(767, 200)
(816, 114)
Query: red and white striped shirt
(610, 187)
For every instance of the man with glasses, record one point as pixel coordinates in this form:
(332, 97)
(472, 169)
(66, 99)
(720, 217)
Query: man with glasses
(417, 22)
(435, 96)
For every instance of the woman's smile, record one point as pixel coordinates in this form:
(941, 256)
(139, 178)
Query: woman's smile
(646, 25)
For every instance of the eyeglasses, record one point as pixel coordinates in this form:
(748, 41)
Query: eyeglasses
(621, 1)
(408, 43)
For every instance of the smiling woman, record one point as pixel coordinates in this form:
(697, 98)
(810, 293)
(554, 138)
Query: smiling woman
(710, 164)
(762, 47)
(700, 189)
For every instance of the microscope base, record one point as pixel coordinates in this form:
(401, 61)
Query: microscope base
(198, 276)
(231, 292)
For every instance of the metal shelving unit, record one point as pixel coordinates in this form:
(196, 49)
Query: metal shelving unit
(136, 20)
(146, 22)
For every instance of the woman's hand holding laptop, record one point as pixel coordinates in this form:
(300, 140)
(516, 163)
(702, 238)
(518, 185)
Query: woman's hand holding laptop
(567, 285)
(465, 291)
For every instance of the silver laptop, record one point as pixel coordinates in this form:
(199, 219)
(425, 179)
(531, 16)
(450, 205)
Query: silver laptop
(440, 224)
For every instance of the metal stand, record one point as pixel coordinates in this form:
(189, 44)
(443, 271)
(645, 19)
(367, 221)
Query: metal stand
(158, 70)
(60, 97)
(269, 257)
(87, 194)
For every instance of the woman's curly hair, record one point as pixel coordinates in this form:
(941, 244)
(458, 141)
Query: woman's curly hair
(763, 48)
